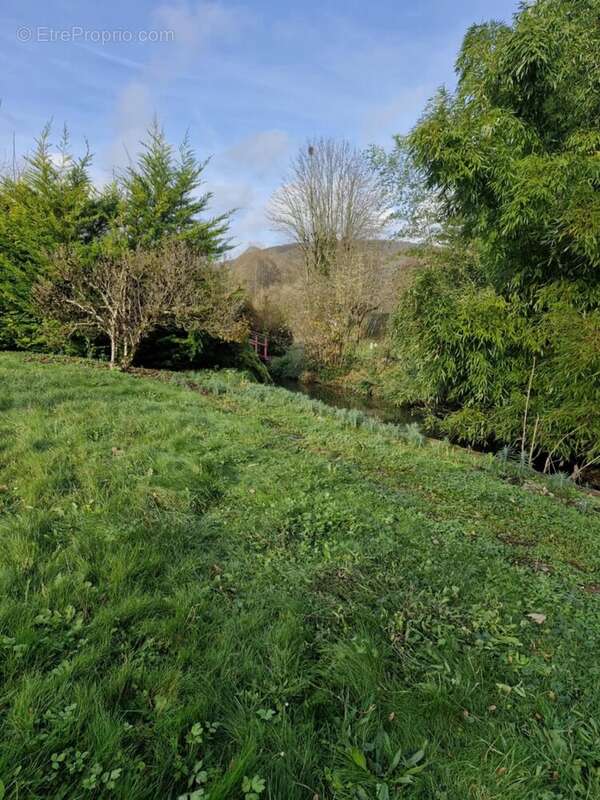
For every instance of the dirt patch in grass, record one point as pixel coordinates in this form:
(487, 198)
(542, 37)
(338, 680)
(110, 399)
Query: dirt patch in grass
(592, 588)
(534, 564)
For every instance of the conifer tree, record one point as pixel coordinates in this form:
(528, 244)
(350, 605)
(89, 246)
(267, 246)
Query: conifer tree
(51, 203)
(161, 199)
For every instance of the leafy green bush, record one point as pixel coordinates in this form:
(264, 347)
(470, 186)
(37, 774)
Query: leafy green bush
(501, 333)
(290, 365)
(497, 371)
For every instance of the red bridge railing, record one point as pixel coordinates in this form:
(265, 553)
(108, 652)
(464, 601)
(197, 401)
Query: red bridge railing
(260, 343)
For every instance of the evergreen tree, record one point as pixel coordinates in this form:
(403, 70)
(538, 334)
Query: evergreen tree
(160, 199)
(51, 203)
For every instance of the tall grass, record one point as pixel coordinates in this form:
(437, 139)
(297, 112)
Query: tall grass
(201, 590)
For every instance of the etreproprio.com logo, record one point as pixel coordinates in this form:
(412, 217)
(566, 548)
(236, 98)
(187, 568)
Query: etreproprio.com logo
(78, 33)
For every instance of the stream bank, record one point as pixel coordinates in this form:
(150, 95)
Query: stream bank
(338, 397)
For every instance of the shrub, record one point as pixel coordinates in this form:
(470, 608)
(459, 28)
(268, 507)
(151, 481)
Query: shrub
(290, 365)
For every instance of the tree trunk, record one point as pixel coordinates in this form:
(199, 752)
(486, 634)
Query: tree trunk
(130, 347)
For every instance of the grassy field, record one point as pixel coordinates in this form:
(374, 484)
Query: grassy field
(222, 590)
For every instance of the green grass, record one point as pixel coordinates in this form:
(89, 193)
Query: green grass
(308, 603)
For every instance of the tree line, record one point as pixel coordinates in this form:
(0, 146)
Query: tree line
(84, 269)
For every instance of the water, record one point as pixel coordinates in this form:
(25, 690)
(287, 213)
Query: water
(342, 398)
(386, 412)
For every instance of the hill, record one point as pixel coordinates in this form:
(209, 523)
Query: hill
(216, 589)
(276, 270)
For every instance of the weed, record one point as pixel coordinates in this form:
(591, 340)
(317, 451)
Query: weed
(252, 788)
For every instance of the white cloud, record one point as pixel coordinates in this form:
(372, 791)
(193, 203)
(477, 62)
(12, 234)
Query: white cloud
(196, 25)
(133, 115)
(251, 227)
(398, 115)
(106, 55)
(248, 201)
(244, 177)
(231, 194)
(196, 28)
(260, 154)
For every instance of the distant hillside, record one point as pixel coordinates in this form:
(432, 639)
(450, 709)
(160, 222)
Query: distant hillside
(277, 268)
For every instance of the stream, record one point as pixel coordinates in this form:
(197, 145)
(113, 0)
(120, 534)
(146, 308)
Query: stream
(343, 398)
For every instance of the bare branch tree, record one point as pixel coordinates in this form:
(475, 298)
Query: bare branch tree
(333, 205)
(129, 296)
(331, 197)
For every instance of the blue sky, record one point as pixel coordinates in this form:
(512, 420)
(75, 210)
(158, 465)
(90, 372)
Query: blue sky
(251, 81)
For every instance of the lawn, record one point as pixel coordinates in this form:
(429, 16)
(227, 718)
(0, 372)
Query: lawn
(214, 589)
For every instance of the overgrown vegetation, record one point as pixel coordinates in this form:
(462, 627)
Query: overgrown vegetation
(333, 206)
(501, 332)
(130, 295)
(219, 589)
(212, 588)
